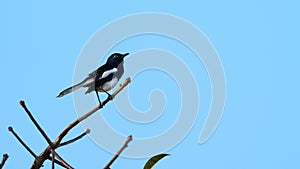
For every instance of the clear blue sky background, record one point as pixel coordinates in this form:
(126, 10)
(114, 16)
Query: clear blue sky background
(257, 42)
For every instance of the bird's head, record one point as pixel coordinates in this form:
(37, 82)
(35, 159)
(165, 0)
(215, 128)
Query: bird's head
(116, 58)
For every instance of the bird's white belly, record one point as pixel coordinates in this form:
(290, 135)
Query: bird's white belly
(109, 85)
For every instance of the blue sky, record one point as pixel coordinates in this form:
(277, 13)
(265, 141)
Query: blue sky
(257, 42)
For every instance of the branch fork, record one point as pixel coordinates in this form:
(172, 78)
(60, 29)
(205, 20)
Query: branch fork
(52, 146)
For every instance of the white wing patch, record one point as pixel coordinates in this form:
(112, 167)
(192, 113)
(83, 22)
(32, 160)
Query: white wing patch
(106, 73)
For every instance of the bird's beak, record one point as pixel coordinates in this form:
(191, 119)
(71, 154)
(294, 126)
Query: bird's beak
(125, 54)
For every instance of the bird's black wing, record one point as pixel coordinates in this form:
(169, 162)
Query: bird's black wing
(98, 72)
(100, 76)
(90, 80)
(100, 81)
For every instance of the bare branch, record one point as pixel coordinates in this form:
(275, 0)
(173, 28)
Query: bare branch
(62, 160)
(129, 138)
(56, 162)
(75, 139)
(4, 158)
(83, 117)
(52, 159)
(125, 83)
(22, 103)
(38, 162)
(27, 147)
(22, 142)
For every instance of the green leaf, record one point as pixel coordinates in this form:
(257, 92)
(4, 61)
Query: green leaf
(153, 160)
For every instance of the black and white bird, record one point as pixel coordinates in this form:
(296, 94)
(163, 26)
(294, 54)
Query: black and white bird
(103, 79)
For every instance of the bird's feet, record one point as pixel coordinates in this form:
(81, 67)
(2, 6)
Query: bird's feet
(109, 95)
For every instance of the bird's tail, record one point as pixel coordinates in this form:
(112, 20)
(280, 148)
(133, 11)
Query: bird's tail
(70, 89)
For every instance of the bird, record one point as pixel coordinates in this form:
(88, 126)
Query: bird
(103, 78)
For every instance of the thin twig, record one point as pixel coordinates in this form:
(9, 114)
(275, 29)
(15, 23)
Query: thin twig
(75, 139)
(57, 162)
(45, 155)
(22, 142)
(62, 160)
(27, 147)
(129, 138)
(4, 158)
(22, 103)
(53, 157)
